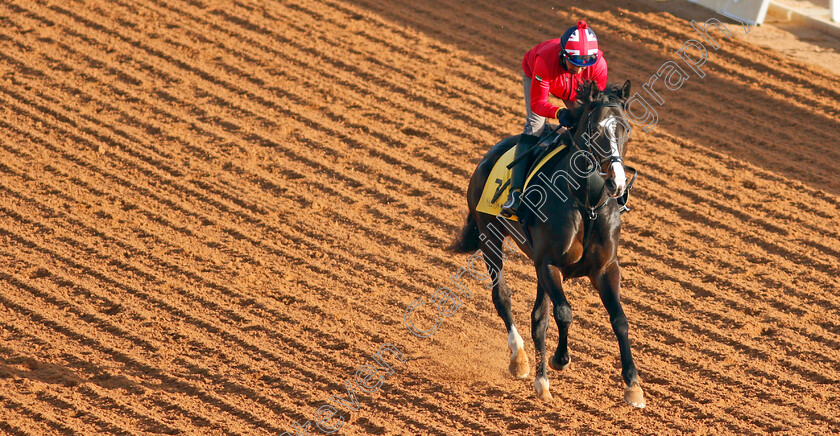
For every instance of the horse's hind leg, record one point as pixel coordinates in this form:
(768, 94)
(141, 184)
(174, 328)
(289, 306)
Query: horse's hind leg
(607, 283)
(491, 249)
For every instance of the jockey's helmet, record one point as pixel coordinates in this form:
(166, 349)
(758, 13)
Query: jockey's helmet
(580, 45)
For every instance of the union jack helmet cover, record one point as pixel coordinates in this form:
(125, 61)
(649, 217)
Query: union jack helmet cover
(580, 45)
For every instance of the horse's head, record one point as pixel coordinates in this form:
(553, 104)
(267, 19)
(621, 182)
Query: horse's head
(603, 131)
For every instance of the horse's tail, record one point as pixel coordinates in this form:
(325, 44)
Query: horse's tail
(467, 240)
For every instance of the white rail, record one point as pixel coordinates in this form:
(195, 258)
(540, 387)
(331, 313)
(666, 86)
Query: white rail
(815, 17)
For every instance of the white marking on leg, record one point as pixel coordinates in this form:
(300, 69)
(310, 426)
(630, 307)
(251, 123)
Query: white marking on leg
(519, 365)
(515, 342)
(541, 386)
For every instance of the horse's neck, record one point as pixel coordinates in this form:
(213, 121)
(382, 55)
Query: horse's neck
(591, 184)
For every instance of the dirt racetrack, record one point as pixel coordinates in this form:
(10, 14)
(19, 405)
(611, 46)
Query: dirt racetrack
(213, 213)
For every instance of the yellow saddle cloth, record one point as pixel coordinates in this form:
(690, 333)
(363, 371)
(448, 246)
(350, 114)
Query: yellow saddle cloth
(501, 174)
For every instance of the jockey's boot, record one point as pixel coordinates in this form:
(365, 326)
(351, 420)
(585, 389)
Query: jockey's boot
(518, 174)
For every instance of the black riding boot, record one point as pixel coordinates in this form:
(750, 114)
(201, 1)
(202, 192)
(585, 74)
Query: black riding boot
(518, 174)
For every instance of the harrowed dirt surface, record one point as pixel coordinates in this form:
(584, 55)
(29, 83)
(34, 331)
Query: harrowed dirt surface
(213, 213)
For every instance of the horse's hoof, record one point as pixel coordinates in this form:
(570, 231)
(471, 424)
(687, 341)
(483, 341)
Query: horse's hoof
(541, 385)
(555, 364)
(634, 396)
(519, 366)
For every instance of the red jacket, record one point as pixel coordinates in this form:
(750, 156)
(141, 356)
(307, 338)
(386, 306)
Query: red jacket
(542, 64)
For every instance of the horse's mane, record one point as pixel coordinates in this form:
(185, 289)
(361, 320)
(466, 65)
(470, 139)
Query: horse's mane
(611, 93)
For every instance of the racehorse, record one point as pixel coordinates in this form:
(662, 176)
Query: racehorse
(569, 226)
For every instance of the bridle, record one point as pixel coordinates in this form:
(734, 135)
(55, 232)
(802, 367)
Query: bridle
(615, 155)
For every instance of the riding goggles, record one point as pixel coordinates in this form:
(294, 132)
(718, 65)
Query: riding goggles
(582, 61)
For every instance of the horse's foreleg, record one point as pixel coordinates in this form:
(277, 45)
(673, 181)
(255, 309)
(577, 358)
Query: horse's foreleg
(562, 316)
(519, 365)
(539, 325)
(607, 283)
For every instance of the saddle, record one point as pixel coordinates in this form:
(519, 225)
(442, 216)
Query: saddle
(497, 186)
(552, 144)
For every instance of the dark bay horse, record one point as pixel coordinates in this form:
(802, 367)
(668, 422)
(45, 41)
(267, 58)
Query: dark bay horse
(569, 226)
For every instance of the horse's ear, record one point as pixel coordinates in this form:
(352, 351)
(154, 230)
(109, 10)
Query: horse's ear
(625, 90)
(594, 92)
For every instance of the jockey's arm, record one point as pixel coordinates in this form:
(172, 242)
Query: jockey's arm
(540, 89)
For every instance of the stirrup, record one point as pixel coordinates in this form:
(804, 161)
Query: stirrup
(512, 204)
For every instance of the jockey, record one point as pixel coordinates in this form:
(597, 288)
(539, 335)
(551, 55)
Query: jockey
(556, 66)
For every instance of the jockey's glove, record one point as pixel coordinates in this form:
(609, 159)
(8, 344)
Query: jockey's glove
(565, 118)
